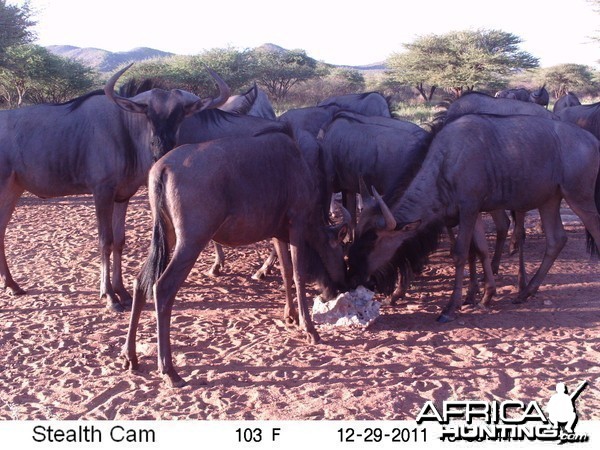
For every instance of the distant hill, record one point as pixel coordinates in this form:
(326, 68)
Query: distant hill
(103, 60)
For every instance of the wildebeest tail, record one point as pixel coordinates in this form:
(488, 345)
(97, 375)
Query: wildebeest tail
(158, 255)
(591, 245)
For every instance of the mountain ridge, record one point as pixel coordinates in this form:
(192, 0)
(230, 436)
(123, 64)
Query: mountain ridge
(107, 61)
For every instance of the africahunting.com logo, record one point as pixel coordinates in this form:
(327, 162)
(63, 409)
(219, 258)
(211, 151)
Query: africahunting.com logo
(471, 420)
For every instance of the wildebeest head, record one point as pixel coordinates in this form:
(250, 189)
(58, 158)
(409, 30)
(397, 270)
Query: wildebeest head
(326, 265)
(540, 96)
(165, 110)
(383, 246)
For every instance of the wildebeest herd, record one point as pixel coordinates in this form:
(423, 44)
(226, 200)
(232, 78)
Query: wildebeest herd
(238, 175)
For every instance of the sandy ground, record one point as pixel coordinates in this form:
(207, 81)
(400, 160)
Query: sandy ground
(59, 347)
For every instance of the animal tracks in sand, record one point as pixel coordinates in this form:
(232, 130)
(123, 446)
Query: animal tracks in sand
(60, 349)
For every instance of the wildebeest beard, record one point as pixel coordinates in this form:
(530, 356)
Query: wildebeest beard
(410, 258)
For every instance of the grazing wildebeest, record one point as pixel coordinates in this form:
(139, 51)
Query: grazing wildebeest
(368, 103)
(540, 96)
(520, 94)
(584, 116)
(253, 102)
(218, 190)
(483, 163)
(566, 101)
(102, 144)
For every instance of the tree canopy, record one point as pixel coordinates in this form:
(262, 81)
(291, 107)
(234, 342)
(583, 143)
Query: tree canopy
(459, 60)
(563, 78)
(15, 27)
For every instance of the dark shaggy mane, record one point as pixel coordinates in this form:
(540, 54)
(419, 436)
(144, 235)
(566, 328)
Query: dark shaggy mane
(410, 258)
(131, 88)
(75, 103)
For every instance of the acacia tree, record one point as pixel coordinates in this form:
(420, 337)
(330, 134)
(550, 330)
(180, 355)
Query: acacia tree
(458, 60)
(33, 73)
(15, 27)
(278, 71)
(568, 77)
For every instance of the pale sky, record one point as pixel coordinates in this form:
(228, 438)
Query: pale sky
(338, 32)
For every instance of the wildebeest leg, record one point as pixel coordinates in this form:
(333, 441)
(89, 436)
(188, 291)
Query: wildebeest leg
(349, 202)
(290, 314)
(298, 252)
(460, 254)
(473, 282)
(9, 195)
(502, 223)
(556, 239)
(104, 201)
(480, 246)
(166, 287)
(404, 277)
(267, 265)
(139, 300)
(219, 261)
(119, 213)
(519, 241)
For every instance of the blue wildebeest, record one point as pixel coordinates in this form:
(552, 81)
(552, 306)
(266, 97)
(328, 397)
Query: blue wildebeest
(218, 190)
(215, 124)
(520, 94)
(375, 151)
(480, 103)
(540, 96)
(380, 150)
(483, 163)
(566, 101)
(98, 144)
(253, 102)
(584, 116)
(368, 103)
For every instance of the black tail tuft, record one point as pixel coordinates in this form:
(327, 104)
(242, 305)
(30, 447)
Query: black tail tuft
(158, 255)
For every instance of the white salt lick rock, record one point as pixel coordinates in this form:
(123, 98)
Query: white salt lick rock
(353, 308)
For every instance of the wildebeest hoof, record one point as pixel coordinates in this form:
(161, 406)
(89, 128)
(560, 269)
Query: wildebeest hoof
(15, 291)
(131, 364)
(290, 321)
(115, 306)
(214, 271)
(126, 302)
(313, 338)
(260, 275)
(445, 318)
(175, 381)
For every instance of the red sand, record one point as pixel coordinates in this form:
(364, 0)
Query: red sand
(60, 349)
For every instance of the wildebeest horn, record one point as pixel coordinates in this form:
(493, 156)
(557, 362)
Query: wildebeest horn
(123, 102)
(346, 216)
(363, 189)
(390, 220)
(224, 91)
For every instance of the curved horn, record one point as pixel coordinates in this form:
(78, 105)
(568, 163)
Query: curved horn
(363, 189)
(224, 91)
(390, 220)
(122, 102)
